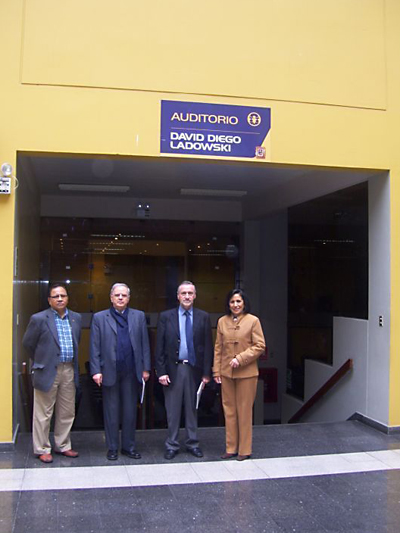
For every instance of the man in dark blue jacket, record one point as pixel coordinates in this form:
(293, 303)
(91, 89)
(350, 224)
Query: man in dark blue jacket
(119, 360)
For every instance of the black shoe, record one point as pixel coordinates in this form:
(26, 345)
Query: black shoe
(196, 452)
(170, 454)
(242, 457)
(112, 455)
(132, 454)
(228, 455)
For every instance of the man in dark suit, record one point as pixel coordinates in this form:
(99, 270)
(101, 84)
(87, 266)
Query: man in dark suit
(52, 339)
(184, 355)
(119, 360)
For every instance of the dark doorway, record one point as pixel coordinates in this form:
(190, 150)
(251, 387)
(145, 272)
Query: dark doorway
(152, 257)
(327, 274)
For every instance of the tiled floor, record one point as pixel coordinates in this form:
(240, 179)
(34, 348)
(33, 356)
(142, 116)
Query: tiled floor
(341, 477)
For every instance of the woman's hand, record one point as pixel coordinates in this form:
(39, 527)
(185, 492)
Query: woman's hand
(217, 379)
(234, 363)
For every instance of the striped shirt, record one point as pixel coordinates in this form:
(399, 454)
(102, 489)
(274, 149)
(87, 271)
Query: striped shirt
(64, 332)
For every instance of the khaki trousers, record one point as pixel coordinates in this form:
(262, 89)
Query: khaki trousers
(61, 398)
(238, 397)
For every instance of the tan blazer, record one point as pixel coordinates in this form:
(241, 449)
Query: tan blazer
(242, 339)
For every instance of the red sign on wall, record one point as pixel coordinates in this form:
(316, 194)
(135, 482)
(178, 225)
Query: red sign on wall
(269, 376)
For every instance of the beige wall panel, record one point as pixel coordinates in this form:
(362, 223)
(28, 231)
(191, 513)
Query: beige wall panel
(307, 51)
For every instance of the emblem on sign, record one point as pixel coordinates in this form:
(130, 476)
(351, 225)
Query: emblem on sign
(254, 119)
(260, 152)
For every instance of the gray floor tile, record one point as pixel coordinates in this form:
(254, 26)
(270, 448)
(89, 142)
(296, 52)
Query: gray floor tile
(121, 521)
(6, 524)
(34, 524)
(366, 502)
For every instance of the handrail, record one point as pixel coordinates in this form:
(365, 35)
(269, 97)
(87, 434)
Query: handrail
(348, 365)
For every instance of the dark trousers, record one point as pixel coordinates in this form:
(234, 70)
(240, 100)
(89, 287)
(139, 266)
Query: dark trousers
(120, 401)
(182, 391)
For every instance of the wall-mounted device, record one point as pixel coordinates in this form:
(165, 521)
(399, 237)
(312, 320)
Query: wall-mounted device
(5, 185)
(5, 178)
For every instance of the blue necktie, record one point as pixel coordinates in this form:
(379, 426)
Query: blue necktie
(189, 339)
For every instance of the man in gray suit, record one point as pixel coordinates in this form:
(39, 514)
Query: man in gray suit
(119, 360)
(184, 355)
(52, 339)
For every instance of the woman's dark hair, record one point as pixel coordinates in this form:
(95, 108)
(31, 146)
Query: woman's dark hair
(244, 297)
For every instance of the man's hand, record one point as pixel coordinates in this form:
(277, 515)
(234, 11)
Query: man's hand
(98, 379)
(205, 380)
(164, 380)
(145, 375)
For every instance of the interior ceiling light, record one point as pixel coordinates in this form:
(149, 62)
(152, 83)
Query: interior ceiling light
(119, 234)
(80, 187)
(213, 192)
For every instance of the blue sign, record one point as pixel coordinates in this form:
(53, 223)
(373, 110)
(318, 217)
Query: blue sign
(213, 129)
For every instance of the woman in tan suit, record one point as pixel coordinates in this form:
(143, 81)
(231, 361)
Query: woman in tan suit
(240, 342)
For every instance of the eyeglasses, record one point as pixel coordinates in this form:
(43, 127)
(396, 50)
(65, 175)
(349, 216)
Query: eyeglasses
(62, 296)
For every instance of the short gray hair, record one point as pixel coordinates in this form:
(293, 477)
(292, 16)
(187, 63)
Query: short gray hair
(186, 282)
(120, 284)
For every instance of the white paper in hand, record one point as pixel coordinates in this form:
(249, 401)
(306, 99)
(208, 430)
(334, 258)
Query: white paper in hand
(198, 395)
(143, 389)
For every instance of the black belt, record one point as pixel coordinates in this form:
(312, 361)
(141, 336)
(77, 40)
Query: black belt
(183, 361)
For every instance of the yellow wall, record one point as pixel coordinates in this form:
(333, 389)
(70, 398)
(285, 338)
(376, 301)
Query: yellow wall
(223, 48)
(6, 327)
(391, 140)
(87, 77)
(8, 146)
